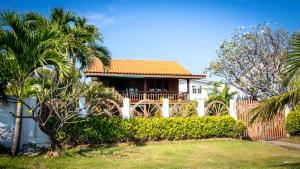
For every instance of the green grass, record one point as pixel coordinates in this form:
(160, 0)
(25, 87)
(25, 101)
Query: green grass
(181, 154)
(292, 139)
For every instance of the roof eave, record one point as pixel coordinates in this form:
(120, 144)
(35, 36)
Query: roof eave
(175, 76)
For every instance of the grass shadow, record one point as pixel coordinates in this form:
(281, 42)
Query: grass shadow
(10, 166)
(138, 143)
(287, 165)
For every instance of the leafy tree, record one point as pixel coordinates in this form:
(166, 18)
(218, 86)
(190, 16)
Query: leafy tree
(252, 60)
(269, 108)
(24, 50)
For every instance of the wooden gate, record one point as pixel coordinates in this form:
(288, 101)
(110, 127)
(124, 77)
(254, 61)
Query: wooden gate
(266, 130)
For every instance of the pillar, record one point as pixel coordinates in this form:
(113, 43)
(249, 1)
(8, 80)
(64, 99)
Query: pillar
(126, 108)
(286, 111)
(166, 108)
(188, 88)
(201, 107)
(145, 89)
(232, 108)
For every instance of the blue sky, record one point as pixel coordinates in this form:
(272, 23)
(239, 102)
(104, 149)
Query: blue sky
(186, 31)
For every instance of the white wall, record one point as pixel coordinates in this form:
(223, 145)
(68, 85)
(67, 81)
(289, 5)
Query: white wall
(197, 84)
(239, 93)
(31, 133)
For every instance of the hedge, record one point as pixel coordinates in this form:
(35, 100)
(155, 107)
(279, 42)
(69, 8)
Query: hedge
(293, 123)
(113, 129)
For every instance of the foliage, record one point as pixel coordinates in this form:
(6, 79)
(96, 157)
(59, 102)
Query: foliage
(293, 123)
(58, 106)
(108, 130)
(98, 90)
(32, 47)
(224, 96)
(95, 130)
(84, 41)
(22, 51)
(270, 107)
(252, 60)
(182, 109)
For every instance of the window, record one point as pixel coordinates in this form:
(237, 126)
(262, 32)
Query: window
(194, 89)
(200, 90)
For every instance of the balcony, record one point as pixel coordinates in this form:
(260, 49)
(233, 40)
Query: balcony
(157, 96)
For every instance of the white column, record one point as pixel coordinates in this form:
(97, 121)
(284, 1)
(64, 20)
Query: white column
(201, 107)
(166, 108)
(286, 111)
(126, 108)
(232, 108)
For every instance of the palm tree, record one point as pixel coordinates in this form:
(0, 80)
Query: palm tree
(84, 41)
(269, 108)
(23, 50)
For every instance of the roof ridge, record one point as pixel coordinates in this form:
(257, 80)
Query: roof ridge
(140, 66)
(145, 60)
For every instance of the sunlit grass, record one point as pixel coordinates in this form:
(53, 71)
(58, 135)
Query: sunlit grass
(181, 154)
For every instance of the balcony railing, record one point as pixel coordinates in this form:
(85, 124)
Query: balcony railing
(137, 96)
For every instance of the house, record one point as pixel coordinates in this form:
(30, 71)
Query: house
(146, 79)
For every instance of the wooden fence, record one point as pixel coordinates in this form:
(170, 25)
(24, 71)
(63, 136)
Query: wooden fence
(266, 130)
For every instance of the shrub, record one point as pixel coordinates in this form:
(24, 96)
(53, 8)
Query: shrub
(110, 130)
(293, 123)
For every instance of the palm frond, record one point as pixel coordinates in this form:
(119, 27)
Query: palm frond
(272, 106)
(293, 60)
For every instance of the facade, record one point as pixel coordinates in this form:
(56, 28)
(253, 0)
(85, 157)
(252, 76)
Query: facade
(144, 79)
(198, 89)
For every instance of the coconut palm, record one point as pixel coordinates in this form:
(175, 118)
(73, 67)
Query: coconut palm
(22, 51)
(269, 108)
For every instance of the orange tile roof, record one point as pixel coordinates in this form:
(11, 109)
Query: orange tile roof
(147, 68)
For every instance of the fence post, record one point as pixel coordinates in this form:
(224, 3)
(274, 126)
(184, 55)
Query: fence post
(201, 107)
(126, 108)
(166, 108)
(232, 108)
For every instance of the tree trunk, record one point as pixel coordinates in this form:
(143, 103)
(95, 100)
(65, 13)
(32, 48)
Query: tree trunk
(18, 129)
(72, 74)
(52, 143)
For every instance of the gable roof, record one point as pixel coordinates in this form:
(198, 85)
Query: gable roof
(143, 68)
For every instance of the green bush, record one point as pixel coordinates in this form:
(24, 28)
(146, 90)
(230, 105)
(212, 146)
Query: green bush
(111, 130)
(293, 123)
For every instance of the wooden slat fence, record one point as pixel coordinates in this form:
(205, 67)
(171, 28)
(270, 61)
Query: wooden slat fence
(266, 130)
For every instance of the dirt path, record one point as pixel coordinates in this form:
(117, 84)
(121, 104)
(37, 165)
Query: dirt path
(284, 144)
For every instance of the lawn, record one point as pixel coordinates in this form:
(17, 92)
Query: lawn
(181, 154)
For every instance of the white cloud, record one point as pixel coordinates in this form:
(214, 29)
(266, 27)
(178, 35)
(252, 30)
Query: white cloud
(100, 19)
